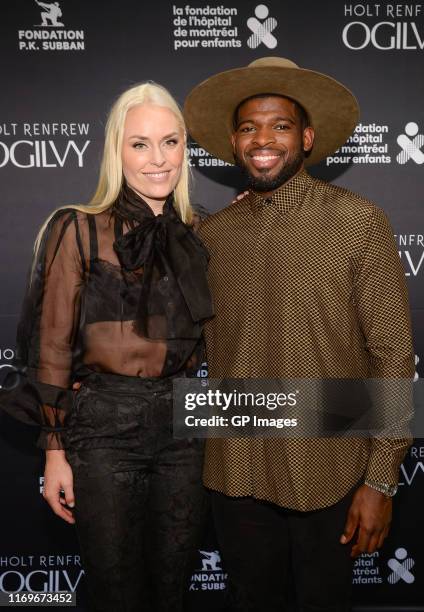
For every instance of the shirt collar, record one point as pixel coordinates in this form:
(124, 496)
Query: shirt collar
(286, 197)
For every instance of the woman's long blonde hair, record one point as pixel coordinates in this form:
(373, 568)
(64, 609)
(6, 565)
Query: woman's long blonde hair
(111, 176)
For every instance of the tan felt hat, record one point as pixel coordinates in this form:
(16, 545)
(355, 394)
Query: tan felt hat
(332, 109)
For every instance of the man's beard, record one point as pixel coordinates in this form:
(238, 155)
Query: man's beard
(264, 183)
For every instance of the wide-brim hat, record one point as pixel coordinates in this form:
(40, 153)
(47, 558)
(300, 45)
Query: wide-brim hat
(332, 109)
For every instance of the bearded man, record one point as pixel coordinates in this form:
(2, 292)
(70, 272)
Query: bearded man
(307, 284)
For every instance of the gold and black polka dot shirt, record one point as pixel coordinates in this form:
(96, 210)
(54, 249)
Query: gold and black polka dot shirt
(307, 284)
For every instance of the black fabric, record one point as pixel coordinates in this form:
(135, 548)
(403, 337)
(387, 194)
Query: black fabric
(275, 556)
(122, 292)
(139, 508)
(174, 299)
(22, 394)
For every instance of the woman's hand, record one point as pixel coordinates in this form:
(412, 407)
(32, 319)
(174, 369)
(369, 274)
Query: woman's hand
(57, 477)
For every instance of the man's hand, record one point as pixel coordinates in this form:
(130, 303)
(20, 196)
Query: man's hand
(370, 514)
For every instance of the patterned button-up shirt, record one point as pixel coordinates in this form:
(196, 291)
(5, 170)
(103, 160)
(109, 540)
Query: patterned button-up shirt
(306, 284)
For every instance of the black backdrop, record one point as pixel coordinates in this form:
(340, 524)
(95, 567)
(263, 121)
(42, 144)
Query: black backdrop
(59, 79)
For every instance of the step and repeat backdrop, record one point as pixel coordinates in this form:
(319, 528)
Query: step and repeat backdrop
(63, 64)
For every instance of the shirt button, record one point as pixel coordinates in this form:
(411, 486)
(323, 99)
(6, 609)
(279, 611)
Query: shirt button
(165, 278)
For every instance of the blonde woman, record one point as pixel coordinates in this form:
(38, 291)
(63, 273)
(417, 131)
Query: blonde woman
(117, 299)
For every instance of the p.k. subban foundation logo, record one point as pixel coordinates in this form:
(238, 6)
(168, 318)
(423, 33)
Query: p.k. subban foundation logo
(49, 32)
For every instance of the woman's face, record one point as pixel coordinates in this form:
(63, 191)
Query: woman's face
(152, 152)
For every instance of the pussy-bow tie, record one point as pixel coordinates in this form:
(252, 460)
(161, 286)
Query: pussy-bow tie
(173, 261)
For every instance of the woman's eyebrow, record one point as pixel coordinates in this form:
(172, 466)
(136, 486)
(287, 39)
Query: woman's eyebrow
(139, 137)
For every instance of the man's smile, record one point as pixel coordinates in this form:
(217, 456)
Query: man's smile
(264, 159)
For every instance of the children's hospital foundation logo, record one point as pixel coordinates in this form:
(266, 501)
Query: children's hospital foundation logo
(369, 569)
(411, 143)
(401, 566)
(50, 34)
(222, 27)
(262, 26)
(375, 144)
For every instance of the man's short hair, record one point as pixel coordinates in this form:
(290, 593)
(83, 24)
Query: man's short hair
(302, 114)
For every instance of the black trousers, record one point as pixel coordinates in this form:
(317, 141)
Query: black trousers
(139, 501)
(267, 550)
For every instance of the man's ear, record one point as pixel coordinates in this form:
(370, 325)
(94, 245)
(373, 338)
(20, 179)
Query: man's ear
(308, 138)
(233, 141)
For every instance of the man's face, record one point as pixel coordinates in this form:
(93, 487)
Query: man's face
(269, 142)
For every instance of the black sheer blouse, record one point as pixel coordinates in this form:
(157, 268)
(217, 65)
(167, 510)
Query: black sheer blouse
(122, 292)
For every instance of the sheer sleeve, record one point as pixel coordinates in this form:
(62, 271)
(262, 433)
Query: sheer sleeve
(59, 317)
(47, 331)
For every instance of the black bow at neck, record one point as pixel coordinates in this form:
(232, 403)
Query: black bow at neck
(174, 299)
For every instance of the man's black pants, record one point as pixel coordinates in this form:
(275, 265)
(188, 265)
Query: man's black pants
(267, 549)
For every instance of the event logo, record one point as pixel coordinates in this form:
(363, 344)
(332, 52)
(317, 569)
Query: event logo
(212, 27)
(262, 27)
(410, 477)
(413, 466)
(50, 34)
(366, 569)
(385, 27)
(413, 256)
(401, 566)
(43, 145)
(367, 145)
(210, 560)
(411, 144)
(200, 158)
(211, 576)
(50, 14)
(41, 573)
(205, 27)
